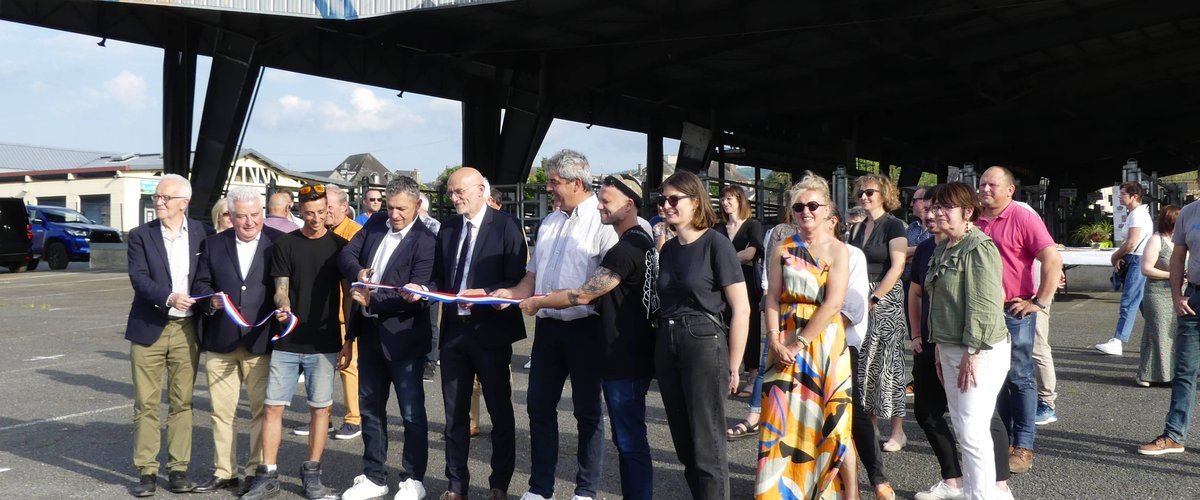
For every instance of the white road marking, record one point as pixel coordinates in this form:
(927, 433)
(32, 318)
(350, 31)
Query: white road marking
(24, 297)
(64, 417)
(15, 283)
(43, 358)
(5, 470)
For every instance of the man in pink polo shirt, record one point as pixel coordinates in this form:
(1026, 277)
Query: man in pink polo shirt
(1021, 238)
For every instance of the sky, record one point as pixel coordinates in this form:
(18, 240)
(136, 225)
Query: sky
(59, 89)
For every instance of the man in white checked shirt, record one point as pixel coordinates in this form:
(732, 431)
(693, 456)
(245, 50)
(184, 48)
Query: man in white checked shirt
(570, 245)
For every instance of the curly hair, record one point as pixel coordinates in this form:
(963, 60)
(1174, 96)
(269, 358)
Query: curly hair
(810, 182)
(887, 189)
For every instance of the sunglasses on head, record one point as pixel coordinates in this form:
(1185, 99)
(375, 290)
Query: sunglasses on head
(868, 192)
(310, 188)
(673, 200)
(812, 206)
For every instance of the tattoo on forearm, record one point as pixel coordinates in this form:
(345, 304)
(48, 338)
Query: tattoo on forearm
(573, 298)
(600, 282)
(282, 288)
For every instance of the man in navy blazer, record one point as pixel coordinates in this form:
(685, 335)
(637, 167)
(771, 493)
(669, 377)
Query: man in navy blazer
(393, 336)
(161, 329)
(480, 251)
(237, 263)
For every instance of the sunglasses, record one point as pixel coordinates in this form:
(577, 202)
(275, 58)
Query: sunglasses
(308, 189)
(673, 200)
(868, 192)
(812, 206)
(374, 199)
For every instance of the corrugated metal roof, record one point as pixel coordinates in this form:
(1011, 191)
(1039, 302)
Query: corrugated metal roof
(23, 158)
(325, 9)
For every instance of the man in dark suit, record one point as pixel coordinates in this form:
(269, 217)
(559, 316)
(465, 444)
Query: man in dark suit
(162, 333)
(393, 337)
(237, 263)
(477, 253)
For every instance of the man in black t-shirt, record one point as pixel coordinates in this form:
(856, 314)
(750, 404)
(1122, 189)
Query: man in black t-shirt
(306, 278)
(626, 350)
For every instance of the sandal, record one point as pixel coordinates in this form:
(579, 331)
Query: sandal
(743, 429)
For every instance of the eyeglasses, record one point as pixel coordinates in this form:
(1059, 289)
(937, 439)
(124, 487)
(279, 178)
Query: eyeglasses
(941, 208)
(308, 189)
(868, 192)
(812, 206)
(374, 200)
(462, 190)
(673, 200)
(166, 199)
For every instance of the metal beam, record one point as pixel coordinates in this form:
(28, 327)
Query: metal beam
(179, 96)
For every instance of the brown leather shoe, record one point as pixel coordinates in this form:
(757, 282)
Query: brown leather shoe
(1020, 460)
(450, 495)
(474, 432)
(496, 494)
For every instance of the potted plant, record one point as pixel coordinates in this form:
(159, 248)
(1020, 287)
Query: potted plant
(1096, 234)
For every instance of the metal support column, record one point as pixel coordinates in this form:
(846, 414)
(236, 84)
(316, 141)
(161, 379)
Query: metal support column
(481, 129)
(654, 168)
(179, 96)
(520, 139)
(227, 102)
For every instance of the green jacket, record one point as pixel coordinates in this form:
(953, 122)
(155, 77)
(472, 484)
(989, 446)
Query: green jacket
(966, 294)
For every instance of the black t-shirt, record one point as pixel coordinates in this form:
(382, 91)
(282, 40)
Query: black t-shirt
(920, 268)
(693, 277)
(628, 350)
(315, 282)
(879, 259)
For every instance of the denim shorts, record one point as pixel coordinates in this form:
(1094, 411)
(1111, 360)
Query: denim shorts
(285, 374)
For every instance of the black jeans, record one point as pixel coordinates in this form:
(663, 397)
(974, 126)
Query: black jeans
(866, 441)
(564, 349)
(691, 360)
(376, 376)
(930, 407)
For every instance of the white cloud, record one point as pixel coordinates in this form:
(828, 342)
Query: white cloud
(364, 111)
(127, 89)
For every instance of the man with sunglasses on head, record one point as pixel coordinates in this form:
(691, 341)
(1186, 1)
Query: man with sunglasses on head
(163, 258)
(571, 242)
(306, 274)
(372, 202)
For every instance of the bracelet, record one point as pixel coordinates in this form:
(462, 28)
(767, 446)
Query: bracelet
(1034, 299)
(803, 341)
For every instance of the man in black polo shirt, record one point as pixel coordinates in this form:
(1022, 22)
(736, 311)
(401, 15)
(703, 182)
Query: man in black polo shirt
(626, 353)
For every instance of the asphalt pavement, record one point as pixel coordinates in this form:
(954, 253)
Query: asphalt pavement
(66, 413)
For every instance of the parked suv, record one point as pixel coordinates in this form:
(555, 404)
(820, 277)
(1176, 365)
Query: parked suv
(15, 235)
(62, 236)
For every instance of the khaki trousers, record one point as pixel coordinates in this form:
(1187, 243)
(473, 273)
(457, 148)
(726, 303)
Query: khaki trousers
(350, 384)
(227, 372)
(475, 390)
(177, 352)
(1043, 360)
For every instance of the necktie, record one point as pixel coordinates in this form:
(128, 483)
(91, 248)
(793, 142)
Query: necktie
(461, 268)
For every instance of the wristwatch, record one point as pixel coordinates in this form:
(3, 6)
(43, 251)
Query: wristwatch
(874, 299)
(972, 350)
(1034, 299)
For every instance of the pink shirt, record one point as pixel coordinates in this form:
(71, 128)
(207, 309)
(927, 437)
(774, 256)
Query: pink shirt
(1019, 234)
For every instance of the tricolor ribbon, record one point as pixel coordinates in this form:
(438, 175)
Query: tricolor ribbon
(232, 312)
(448, 298)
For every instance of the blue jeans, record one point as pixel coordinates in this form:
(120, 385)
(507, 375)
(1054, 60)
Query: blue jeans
(626, 400)
(756, 397)
(285, 374)
(1131, 298)
(1183, 383)
(564, 349)
(1018, 396)
(376, 376)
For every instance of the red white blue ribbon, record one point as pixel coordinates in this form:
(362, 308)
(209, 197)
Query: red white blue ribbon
(448, 298)
(232, 312)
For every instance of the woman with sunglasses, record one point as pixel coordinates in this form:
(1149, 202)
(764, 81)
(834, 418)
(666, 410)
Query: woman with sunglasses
(883, 238)
(746, 233)
(805, 438)
(966, 323)
(696, 359)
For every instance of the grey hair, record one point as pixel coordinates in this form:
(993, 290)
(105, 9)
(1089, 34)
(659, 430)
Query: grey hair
(187, 185)
(424, 201)
(487, 186)
(403, 185)
(570, 165)
(335, 194)
(243, 194)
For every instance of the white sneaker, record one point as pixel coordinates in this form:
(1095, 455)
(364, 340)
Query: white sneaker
(410, 489)
(941, 491)
(1004, 494)
(577, 497)
(364, 489)
(529, 495)
(1111, 348)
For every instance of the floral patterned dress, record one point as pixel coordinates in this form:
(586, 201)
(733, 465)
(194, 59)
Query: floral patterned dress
(805, 425)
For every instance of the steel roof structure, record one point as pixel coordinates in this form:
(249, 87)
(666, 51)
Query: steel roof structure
(1065, 89)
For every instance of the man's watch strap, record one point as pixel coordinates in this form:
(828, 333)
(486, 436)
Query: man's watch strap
(1035, 301)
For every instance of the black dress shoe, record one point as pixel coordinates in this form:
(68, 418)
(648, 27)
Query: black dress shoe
(146, 486)
(216, 484)
(178, 482)
(450, 495)
(496, 494)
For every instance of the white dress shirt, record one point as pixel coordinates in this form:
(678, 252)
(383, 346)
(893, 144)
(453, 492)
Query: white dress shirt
(383, 256)
(245, 253)
(854, 307)
(179, 262)
(569, 248)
